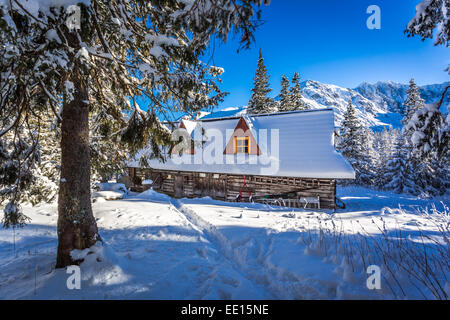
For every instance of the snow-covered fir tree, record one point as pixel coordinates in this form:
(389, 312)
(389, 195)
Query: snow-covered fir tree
(117, 51)
(432, 19)
(295, 93)
(46, 172)
(106, 151)
(285, 96)
(349, 139)
(441, 164)
(355, 145)
(108, 154)
(431, 15)
(413, 101)
(366, 162)
(429, 144)
(15, 152)
(440, 177)
(260, 102)
(383, 146)
(418, 171)
(427, 133)
(42, 184)
(275, 106)
(399, 173)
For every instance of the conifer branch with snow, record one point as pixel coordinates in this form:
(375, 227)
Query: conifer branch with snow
(121, 50)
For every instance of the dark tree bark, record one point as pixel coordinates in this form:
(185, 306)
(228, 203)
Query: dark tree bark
(77, 228)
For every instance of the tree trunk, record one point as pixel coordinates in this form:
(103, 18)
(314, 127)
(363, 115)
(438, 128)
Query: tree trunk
(77, 228)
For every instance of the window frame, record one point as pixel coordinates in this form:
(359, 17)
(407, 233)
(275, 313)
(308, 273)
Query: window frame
(246, 145)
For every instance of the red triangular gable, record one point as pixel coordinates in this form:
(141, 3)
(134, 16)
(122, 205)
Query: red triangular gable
(242, 130)
(192, 150)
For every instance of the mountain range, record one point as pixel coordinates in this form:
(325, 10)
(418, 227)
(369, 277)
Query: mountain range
(377, 105)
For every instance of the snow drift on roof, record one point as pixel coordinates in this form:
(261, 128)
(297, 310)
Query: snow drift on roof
(293, 144)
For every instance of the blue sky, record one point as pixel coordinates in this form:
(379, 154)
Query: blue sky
(328, 41)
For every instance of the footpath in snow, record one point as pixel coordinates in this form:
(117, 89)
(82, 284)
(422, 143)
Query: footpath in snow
(157, 247)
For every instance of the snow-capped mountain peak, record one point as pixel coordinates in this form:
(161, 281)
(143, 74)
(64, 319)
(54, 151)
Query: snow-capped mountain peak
(318, 95)
(377, 105)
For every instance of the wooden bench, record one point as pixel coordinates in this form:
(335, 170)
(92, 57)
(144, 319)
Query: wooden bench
(308, 200)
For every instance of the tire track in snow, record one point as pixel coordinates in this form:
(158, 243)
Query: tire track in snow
(223, 247)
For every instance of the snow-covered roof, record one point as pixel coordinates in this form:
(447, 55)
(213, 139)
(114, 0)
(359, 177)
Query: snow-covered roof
(189, 125)
(293, 144)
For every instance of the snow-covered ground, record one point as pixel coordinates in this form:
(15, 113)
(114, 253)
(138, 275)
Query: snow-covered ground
(157, 247)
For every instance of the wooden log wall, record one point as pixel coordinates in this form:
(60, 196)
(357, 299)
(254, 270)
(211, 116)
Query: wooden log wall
(226, 187)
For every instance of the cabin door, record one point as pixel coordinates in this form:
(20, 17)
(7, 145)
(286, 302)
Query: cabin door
(178, 186)
(217, 187)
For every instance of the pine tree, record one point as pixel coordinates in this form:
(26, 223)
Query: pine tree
(285, 96)
(399, 173)
(425, 129)
(440, 177)
(108, 154)
(296, 95)
(46, 173)
(426, 141)
(431, 15)
(259, 101)
(274, 106)
(355, 144)
(429, 147)
(413, 101)
(417, 168)
(428, 136)
(13, 181)
(441, 165)
(118, 50)
(384, 147)
(366, 162)
(350, 140)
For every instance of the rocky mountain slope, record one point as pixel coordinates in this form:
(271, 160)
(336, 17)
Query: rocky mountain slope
(377, 105)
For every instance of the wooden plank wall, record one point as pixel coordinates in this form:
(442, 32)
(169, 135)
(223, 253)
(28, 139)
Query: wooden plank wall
(262, 186)
(226, 187)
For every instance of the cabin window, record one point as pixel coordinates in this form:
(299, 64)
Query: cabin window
(242, 145)
(216, 176)
(202, 175)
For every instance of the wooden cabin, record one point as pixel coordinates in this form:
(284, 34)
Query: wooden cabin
(281, 158)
